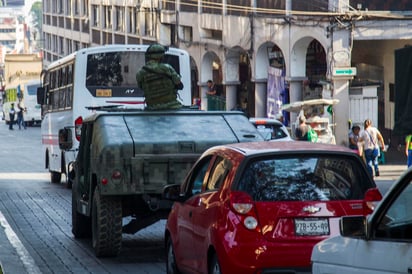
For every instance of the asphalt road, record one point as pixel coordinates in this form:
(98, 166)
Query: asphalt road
(35, 220)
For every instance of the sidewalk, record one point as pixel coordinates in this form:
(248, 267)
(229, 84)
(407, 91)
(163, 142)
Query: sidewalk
(390, 172)
(394, 166)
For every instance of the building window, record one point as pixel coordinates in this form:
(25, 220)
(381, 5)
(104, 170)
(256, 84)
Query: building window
(68, 8)
(136, 21)
(76, 7)
(54, 8)
(85, 10)
(119, 18)
(46, 6)
(187, 33)
(212, 34)
(60, 6)
(69, 46)
(54, 44)
(108, 17)
(131, 27)
(95, 15)
(61, 45)
(149, 23)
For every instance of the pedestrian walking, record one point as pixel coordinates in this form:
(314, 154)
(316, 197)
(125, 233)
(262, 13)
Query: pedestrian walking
(371, 138)
(159, 81)
(354, 138)
(305, 132)
(20, 115)
(301, 131)
(408, 150)
(12, 113)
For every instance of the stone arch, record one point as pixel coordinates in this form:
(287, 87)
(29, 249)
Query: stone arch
(316, 65)
(211, 69)
(240, 92)
(299, 47)
(298, 72)
(298, 57)
(268, 54)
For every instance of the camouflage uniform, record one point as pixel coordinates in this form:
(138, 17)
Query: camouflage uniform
(159, 81)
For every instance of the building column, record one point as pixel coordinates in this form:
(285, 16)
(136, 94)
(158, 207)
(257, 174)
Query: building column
(295, 94)
(203, 96)
(341, 109)
(261, 98)
(231, 95)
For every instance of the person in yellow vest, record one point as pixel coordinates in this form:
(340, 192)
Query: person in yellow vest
(408, 149)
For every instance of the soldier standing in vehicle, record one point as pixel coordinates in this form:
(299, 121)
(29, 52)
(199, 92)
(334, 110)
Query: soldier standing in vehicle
(159, 81)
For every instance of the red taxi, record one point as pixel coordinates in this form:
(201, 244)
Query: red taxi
(261, 207)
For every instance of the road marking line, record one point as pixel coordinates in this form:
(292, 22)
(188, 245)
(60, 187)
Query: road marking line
(14, 240)
(24, 176)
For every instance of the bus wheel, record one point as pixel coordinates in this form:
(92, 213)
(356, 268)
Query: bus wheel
(70, 175)
(55, 177)
(106, 225)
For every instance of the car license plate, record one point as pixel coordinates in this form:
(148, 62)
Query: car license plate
(311, 226)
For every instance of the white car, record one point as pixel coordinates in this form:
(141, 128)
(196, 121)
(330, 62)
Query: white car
(380, 243)
(271, 129)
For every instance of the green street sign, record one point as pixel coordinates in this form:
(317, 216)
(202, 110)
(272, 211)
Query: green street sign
(350, 71)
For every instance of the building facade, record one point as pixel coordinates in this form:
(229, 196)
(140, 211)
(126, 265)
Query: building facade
(298, 49)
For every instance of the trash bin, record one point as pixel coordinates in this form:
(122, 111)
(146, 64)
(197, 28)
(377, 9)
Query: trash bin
(215, 103)
(381, 158)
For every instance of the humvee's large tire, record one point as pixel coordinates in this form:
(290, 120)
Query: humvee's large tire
(55, 177)
(106, 225)
(81, 224)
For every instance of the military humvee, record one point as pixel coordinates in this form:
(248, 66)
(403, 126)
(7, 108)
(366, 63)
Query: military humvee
(125, 159)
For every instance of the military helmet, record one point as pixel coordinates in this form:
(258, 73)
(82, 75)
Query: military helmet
(155, 51)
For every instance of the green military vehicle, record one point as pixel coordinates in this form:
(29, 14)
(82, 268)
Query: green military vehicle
(126, 158)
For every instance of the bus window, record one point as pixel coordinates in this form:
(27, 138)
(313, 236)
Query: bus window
(92, 78)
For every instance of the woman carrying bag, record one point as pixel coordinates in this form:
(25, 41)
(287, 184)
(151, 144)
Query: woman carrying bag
(371, 138)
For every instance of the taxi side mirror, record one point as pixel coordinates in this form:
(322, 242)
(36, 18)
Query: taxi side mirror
(353, 226)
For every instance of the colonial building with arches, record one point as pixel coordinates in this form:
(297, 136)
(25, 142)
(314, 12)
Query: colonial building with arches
(297, 49)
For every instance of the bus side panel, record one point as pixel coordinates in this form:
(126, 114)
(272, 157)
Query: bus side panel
(50, 126)
(33, 110)
(185, 73)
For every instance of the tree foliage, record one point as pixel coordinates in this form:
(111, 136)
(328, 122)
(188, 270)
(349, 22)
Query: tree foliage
(37, 13)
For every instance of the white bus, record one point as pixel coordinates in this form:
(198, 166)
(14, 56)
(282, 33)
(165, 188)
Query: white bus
(32, 115)
(79, 84)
